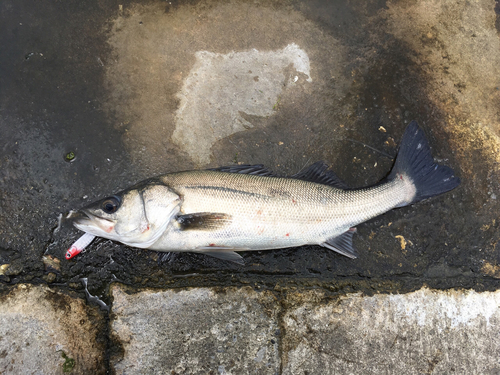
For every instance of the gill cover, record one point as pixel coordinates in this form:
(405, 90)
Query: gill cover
(160, 204)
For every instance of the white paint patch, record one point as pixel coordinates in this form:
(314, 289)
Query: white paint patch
(222, 88)
(445, 310)
(427, 331)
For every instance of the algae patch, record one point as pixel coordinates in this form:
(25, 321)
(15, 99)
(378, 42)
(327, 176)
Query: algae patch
(69, 363)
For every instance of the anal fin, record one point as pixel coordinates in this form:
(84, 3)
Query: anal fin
(220, 252)
(343, 244)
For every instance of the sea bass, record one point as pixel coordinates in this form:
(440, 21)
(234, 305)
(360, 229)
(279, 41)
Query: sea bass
(239, 208)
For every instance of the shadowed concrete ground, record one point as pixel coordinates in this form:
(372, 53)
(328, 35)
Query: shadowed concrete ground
(140, 88)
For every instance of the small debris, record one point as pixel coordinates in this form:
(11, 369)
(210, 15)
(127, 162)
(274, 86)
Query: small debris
(13, 269)
(390, 142)
(3, 269)
(382, 129)
(402, 241)
(50, 277)
(492, 270)
(51, 263)
(70, 156)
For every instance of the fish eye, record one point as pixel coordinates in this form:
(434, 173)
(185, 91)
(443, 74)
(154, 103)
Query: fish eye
(111, 204)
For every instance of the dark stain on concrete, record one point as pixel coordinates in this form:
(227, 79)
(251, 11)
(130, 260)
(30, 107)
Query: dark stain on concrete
(52, 88)
(497, 11)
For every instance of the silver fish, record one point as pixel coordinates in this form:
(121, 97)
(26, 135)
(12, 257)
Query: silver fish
(239, 208)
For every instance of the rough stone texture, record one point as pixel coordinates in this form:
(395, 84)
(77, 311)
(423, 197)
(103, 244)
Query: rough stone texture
(424, 332)
(46, 332)
(196, 331)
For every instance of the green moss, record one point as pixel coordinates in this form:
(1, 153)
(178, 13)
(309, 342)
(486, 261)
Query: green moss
(69, 363)
(277, 104)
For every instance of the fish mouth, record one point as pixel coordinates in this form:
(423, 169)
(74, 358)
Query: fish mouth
(85, 215)
(89, 222)
(100, 226)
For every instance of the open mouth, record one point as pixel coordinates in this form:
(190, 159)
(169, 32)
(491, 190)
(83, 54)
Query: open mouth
(79, 216)
(88, 222)
(84, 217)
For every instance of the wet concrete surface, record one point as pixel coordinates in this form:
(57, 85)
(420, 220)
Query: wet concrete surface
(106, 81)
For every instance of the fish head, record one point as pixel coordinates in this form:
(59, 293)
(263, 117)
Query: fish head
(136, 217)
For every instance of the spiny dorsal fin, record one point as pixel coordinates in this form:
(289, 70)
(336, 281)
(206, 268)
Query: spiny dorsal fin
(257, 170)
(203, 221)
(343, 244)
(318, 172)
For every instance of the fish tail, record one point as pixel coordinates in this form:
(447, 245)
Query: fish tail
(415, 161)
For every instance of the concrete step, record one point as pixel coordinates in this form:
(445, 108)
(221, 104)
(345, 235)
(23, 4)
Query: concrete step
(231, 330)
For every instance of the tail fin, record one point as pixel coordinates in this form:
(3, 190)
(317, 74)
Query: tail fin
(415, 161)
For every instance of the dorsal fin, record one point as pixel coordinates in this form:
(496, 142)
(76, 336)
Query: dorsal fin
(318, 172)
(257, 170)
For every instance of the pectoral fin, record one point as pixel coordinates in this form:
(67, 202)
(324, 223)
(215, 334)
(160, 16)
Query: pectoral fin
(343, 244)
(223, 253)
(203, 221)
